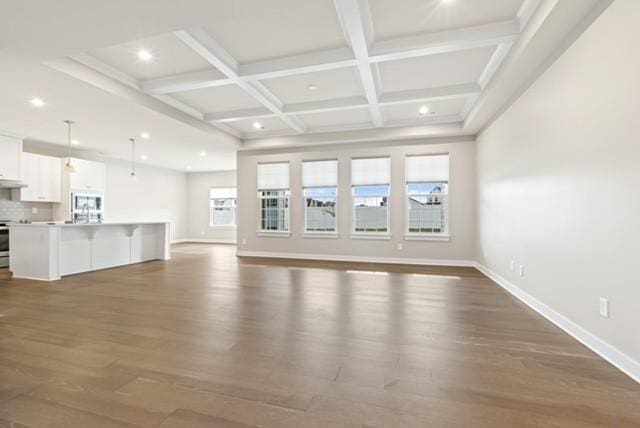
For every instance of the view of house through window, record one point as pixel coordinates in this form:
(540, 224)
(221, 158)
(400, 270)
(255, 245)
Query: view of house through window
(222, 206)
(320, 191)
(427, 193)
(371, 208)
(273, 194)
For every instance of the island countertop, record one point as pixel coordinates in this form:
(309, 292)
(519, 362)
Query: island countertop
(49, 251)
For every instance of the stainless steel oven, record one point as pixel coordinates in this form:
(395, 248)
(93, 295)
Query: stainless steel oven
(4, 244)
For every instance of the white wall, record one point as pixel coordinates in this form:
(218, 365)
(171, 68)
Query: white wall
(559, 183)
(159, 194)
(460, 249)
(198, 185)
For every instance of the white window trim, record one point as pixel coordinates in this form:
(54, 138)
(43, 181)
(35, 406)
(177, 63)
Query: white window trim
(313, 233)
(371, 235)
(234, 207)
(263, 232)
(320, 235)
(427, 236)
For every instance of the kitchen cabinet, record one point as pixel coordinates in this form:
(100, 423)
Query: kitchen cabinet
(41, 174)
(10, 150)
(88, 178)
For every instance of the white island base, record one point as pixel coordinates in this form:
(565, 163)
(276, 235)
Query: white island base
(50, 251)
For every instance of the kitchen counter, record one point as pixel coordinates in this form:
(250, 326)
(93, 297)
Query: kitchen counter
(49, 251)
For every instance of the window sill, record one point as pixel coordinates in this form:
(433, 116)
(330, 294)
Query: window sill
(417, 237)
(274, 234)
(379, 236)
(222, 226)
(318, 235)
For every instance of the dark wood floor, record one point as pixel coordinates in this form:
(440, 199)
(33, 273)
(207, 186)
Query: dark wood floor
(209, 340)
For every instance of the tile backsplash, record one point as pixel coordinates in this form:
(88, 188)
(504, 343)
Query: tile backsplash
(12, 210)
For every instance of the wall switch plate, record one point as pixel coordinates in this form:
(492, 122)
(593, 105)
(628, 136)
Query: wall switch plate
(34, 210)
(522, 271)
(399, 246)
(244, 241)
(512, 265)
(604, 307)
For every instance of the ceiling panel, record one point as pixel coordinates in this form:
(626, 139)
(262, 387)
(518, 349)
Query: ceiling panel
(434, 70)
(269, 124)
(338, 83)
(218, 98)
(336, 118)
(400, 18)
(258, 30)
(170, 56)
(410, 110)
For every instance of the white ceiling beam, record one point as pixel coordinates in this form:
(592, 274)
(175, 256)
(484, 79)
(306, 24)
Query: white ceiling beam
(184, 82)
(349, 103)
(358, 35)
(201, 43)
(298, 64)
(446, 41)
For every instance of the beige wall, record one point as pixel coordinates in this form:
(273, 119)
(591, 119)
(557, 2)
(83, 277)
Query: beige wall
(559, 180)
(462, 203)
(198, 185)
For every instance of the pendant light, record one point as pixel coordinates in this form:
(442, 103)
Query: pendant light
(69, 168)
(133, 159)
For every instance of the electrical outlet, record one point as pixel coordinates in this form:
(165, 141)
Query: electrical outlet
(202, 232)
(522, 271)
(399, 246)
(244, 241)
(604, 307)
(512, 265)
(34, 210)
(484, 252)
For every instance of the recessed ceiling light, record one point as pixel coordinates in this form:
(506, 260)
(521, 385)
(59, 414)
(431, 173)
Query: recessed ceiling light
(37, 102)
(144, 135)
(188, 167)
(144, 157)
(423, 110)
(257, 125)
(75, 142)
(144, 55)
(203, 153)
(312, 87)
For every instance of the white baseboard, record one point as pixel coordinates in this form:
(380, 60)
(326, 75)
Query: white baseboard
(614, 356)
(362, 259)
(177, 241)
(209, 241)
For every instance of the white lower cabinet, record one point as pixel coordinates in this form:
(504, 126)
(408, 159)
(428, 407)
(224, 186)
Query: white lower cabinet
(41, 174)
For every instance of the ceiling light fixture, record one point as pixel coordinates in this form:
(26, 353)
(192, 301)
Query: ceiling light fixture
(423, 110)
(75, 142)
(133, 158)
(257, 125)
(203, 153)
(312, 87)
(37, 102)
(188, 167)
(69, 168)
(144, 157)
(144, 55)
(144, 135)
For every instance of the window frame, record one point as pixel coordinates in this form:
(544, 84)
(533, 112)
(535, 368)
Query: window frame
(271, 232)
(370, 234)
(234, 208)
(319, 233)
(427, 236)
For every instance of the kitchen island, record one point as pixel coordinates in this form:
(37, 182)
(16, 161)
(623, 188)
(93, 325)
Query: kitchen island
(49, 251)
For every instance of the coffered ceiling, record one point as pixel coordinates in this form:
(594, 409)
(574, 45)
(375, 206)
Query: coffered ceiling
(287, 71)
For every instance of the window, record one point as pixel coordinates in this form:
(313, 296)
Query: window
(427, 195)
(222, 206)
(273, 195)
(370, 195)
(320, 191)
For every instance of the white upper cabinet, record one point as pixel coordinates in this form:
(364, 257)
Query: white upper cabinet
(10, 150)
(88, 178)
(41, 174)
